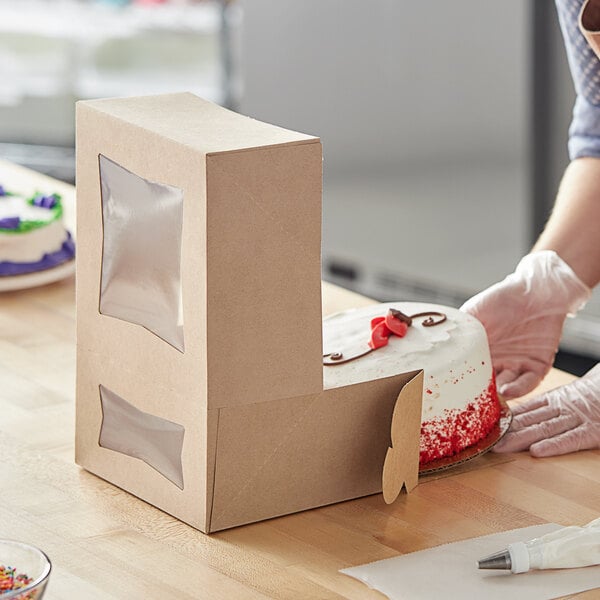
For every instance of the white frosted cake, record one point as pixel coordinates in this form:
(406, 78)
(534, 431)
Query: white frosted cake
(32, 234)
(460, 402)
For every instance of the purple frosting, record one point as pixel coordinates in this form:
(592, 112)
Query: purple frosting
(48, 261)
(2, 191)
(45, 201)
(10, 223)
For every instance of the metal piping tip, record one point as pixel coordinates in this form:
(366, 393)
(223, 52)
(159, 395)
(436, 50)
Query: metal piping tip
(499, 560)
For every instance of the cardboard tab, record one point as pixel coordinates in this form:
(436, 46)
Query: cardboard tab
(401, 466)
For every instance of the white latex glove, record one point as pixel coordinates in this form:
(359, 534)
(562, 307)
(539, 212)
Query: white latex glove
(523, 316)
(563, 420)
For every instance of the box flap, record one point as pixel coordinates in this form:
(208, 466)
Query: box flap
(279, 457)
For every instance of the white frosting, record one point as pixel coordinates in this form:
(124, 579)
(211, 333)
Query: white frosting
(29, 246)
(17, 206)
(454, 355)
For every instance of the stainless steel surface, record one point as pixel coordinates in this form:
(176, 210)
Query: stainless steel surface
(499, 560)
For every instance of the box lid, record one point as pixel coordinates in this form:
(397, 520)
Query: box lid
(192, 121)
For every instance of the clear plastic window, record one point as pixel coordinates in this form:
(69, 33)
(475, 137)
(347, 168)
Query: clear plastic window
(141, 255)
(138, 434)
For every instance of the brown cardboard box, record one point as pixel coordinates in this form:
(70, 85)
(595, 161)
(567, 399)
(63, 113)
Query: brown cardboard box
(199, 345)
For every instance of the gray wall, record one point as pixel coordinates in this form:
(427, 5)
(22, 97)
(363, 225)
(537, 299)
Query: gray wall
(426, 111)
(391, 83)
(423, 113)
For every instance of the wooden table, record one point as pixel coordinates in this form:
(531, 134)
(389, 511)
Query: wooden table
(104, 543)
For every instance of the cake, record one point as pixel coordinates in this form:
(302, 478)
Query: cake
(460, 402)
(32, 234)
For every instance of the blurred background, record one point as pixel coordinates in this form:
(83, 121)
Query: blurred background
(444, 124)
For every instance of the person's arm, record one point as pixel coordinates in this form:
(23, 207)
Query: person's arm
(524, 314)
(573, 230)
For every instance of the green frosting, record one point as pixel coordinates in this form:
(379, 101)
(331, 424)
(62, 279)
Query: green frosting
(24, 226)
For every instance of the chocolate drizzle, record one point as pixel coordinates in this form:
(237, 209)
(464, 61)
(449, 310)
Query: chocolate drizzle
(430, 321)
(337, 358)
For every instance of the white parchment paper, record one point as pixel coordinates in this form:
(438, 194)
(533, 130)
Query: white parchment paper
(450, 571)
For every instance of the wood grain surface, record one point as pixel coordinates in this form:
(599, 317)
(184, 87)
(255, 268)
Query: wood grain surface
(105, 543)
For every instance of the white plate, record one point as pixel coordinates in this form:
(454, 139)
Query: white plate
(29, 280)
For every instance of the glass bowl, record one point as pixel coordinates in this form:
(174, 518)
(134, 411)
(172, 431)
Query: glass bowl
(23, 559)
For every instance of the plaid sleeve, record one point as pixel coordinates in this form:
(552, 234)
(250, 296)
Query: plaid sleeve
(584, 132)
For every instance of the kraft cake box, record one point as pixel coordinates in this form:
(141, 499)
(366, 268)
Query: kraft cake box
(199, 325)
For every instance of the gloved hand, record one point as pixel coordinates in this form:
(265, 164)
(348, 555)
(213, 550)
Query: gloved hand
(523, 316)
(563, 420)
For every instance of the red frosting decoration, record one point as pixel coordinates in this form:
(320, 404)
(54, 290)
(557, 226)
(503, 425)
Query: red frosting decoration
(379, 335)
(383, 327)
(375, 321)
(395, 325)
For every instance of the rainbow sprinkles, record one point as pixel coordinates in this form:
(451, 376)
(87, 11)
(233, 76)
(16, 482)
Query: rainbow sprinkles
(10, 581)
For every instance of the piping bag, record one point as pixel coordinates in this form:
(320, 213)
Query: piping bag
(565, 548)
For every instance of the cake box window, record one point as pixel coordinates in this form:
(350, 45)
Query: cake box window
(133, 432)
(141, 254)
